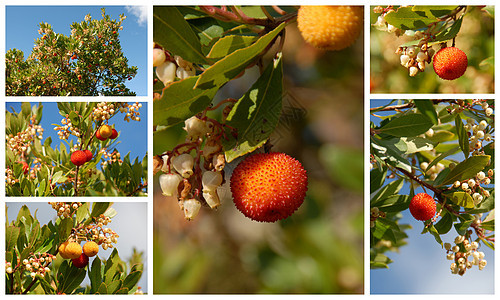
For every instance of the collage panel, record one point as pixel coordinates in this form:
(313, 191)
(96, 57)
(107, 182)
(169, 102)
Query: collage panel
(76, 51)
(63, 248)
(432, 196)
(76, 149)
(432, 49)
(258, 150)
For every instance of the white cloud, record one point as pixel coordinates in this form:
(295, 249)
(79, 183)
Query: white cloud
(141, 12)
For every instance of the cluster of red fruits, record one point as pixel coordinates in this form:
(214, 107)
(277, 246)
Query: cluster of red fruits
(79, 157)
(79, 255)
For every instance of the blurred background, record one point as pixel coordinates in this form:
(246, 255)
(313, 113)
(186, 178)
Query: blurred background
(133, 235)
(476, 39)
(421, 267)
(319, 249)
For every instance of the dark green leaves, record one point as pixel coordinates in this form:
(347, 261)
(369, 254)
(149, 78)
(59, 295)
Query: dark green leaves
(467, 169)
(174, 34)
(463, 138)
(407, 125)
(257, 113)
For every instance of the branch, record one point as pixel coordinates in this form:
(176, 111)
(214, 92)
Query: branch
(405, 106)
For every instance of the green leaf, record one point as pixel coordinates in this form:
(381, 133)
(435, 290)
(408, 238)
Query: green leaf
(486, 205)
(462, 199)
(99, 208)
(407, 125)
(416, 144)
(463, 226)
(70, 279)
(448, 33)
(394, 203)
(444, 225)
(426, 107)
(463, 138)
(11, 235)
(257, 113)
(380, 261)
(434, 11)
(441, 157)
(388, 190)
(432, 230)
(233, 64)
(175, 35)
(180, 101)
(114, 286)
(390, 154)
(377, 178)
(229, 44)
(132, 279)
(467, 169)
(407, 19)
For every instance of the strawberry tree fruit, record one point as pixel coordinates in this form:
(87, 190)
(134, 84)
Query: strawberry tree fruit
(26, 167)
(89, 155)
(105, 131)
(450, 63)
(99, 137)
(114, 134)
(90, 248)
(62, 250)
(422, 207)
(268, 187)
(78, 157)
(81, 261)
(73, 250)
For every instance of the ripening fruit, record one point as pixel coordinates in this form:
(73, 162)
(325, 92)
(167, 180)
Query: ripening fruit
(89, 155)
(105, 131)
(450, 63)
(268, 187)
(114, 134)
(73, 250)
(26, 167)
(81, 261)
(78, 157)
(330, 27)
(99, 137)
(422, 207)
(90, 248)
(62, 249)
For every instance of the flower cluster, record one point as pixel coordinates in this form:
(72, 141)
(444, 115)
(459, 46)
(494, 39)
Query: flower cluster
(36, 264)
(105, 110)
(194, 180)
(168, 68)
(414, 58)
(21, 142)
(375, 213)
(97, 232)
(65, 209)
(460, 254)
(67, 129)
(109, 158)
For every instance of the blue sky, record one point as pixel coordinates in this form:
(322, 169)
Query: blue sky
(22, 30)
(132, 234)
(421, 266)
(132, 135)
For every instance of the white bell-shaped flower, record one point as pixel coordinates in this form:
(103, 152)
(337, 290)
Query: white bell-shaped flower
(169, 184)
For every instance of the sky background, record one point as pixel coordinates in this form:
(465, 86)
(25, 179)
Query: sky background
(421, 266)
(22, 31)
(132, 135)
(131, 234)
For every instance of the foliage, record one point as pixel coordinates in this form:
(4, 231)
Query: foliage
(89, 62)
(427, 144)
(39, 169)
(27, 240)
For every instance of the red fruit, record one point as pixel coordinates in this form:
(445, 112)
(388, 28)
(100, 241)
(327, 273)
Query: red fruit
(422, 207)
(78, 157)
(114, 134)
(99, 137)
(450, 63)
(81, 261)
(89, 155)
(268, 187)
(114, 32)
(79, 77)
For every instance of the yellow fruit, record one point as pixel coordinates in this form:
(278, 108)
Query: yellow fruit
(62, 249)
(330, 27)
(105, 131)
(73, 250)
(90, 248)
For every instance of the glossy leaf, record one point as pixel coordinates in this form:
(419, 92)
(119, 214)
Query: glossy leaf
(463, 138)
(467, 169)
(408, 125)
(229, 44)
(426, 107)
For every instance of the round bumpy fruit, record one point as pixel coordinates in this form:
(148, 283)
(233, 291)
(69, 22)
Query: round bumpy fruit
(62, 249)
(89, 154)
(78, 157)
(73, 250)
(422, 207)
(26, 167)
(330, 27)
(268, 187)
(81, 261)
(114, 134)
(450, 63)
(99, 137)
(90, 248)
(106, 131)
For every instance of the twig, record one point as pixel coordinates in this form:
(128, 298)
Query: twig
(278, 10)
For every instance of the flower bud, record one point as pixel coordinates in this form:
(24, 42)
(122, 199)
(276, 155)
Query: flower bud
(191, 208)
(211, 180)
(169, 184)
(183, 164)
